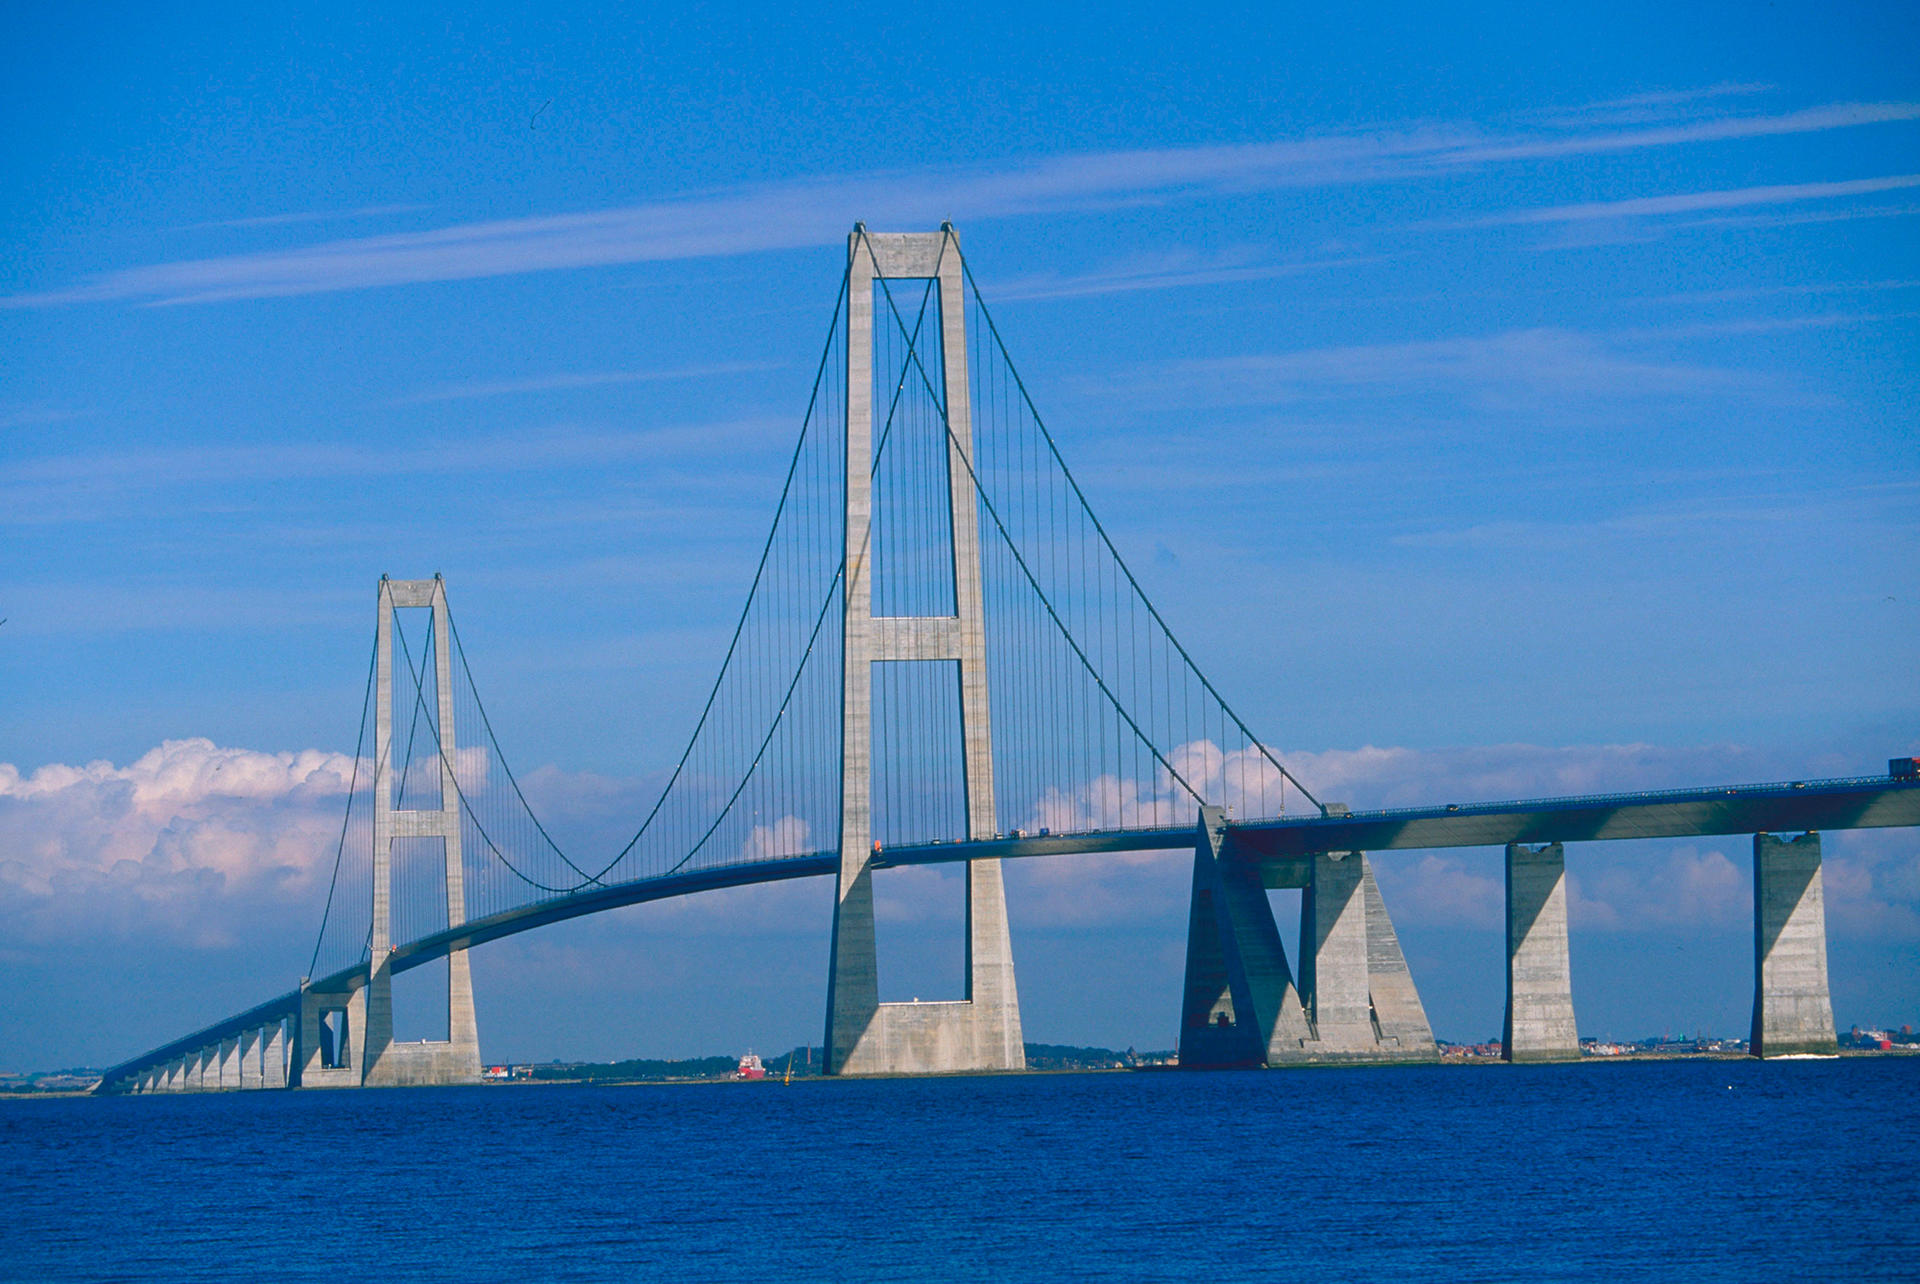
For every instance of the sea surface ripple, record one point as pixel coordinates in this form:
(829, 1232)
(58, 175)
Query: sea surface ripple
(1703, 1170)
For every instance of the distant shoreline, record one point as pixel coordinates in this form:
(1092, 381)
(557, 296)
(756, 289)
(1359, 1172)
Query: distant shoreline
(1447, 1059)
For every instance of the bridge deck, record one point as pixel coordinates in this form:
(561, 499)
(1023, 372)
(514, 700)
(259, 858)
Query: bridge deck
(1858, 803)
(1866, 802)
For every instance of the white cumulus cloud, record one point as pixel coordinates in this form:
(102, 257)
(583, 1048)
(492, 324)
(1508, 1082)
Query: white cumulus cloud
(184, 843)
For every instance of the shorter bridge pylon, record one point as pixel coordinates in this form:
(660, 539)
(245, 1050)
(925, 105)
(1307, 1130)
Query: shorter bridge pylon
(345, 1039)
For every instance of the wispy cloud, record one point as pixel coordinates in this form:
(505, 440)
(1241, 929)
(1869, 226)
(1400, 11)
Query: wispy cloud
(1801, 217)
(818, 211)
(54, 489)
(1773, 325)
(1528, 367)
(1167, 272)
(1694, 202)
(1775, 291)
(307, 216)
(1810, 120)
(1658, 104)
(569, 382)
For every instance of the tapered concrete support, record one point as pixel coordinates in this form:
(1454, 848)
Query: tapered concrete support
(1792, 1010)
(1333, 941)
(1399, 1017)
(981, 1031)
(1360, 999)
(1539, 1023)
(1356, 1000)
(1240, 999)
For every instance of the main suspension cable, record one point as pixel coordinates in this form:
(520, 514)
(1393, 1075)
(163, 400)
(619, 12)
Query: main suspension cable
(353, 783)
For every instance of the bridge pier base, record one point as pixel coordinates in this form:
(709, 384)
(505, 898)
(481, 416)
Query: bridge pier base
(329, 1056)
(979, 1032)
(1792, 1010)
(1539, 1024)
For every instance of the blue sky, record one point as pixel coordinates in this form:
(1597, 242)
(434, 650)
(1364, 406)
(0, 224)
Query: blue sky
(1526, 398)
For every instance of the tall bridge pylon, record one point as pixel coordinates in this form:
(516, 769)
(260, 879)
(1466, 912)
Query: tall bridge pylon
(981, 1031)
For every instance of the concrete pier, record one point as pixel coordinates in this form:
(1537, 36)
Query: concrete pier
(982, 1030)
(274, 1059)
(1333, 947)
(1792, 1010)
(1359, 995)
(320, 1059)
(1539, 1024)
(250, 1078)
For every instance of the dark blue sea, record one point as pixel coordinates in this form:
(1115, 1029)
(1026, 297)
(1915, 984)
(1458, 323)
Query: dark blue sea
(1651, 1171)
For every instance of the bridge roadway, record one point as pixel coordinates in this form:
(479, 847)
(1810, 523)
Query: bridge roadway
(1868, 802)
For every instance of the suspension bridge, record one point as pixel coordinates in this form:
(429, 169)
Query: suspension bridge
(943, 658)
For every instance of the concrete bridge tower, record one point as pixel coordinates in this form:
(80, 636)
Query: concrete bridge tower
(982, 1030)
(346, 1040)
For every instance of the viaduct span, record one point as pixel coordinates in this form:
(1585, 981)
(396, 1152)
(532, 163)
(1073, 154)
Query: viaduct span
(943, 659)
